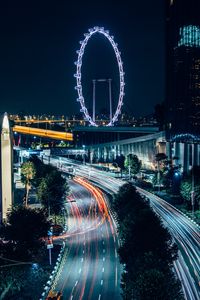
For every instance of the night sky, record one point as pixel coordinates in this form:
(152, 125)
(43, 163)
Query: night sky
(39, 40)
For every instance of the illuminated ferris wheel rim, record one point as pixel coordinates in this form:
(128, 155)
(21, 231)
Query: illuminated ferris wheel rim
(78, 63)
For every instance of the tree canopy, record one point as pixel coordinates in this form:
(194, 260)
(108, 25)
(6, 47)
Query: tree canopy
(24, 232)
(52, 190)
(148, 270)
(133, 163)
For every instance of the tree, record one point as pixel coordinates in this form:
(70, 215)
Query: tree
(186, 190)
(22, 281)
(51, 192)
(28, 173)
(148, 270)
(24, 232)
(41, 170)
(120, 159)
(132, 164)
(154, 284)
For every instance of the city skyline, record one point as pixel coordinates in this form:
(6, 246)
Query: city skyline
(39, 43)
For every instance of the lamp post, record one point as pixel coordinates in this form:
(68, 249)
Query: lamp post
(83, 154)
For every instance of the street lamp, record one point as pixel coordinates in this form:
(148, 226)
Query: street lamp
(83, 154)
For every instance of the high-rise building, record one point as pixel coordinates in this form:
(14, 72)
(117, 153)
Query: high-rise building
(183, 68)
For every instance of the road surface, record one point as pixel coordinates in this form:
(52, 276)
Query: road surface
(183, 230)
(91, 270)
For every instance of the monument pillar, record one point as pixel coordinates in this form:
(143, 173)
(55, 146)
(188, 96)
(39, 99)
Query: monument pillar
(6, 167)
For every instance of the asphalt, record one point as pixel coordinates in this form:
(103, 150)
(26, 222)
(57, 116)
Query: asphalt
(92, 269)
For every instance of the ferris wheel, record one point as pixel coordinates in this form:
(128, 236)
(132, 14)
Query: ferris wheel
(78, 75)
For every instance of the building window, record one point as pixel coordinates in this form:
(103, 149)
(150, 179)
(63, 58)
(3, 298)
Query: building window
(189, 36)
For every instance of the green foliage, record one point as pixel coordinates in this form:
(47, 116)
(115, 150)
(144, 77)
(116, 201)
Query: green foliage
(133, 163)
(20, 282)
(27, 175)
(186, 189)
(119, 161)
(28, 172)
(148, 270)
(154, 284)
(52, 190)
(41, 169)
(24, 232)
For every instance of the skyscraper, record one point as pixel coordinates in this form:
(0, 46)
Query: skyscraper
(183, 68)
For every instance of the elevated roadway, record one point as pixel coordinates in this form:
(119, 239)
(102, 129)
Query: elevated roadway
(45, 133)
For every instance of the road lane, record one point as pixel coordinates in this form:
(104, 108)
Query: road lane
(92, 262)
(186, 233)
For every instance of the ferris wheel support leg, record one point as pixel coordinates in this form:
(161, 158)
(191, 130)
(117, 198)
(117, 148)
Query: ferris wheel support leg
(94, 99)
(110, 97)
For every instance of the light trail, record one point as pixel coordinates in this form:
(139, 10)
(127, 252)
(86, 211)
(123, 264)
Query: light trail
(89, 253)
(58, 135)
(185, 233)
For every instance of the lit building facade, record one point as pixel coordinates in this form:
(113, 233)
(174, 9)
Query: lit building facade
(183, 68)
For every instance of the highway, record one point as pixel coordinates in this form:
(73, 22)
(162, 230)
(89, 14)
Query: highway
(184, 232)
(92, 269)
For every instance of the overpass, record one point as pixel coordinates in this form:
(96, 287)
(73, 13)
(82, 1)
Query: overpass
(45, 133)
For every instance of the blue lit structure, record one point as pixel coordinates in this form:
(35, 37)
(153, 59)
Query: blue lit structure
(189, 36)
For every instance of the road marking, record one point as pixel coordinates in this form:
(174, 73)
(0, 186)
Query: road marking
(99, 297)
(103, 258)
(116, 276)
(114, 238)
(102, 235)
(103, 270)
(72, 297)
(104, 250)
(103, 242)
(83, 251)
(76, 283)
(82, 259)
(79, 271)
(101, 281)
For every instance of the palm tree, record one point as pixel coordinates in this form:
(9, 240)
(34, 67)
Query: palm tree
(28, 172)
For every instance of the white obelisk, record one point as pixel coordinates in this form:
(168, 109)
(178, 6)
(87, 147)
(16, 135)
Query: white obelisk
(6, 167)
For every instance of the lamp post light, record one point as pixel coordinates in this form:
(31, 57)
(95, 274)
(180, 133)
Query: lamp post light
(83, 154)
